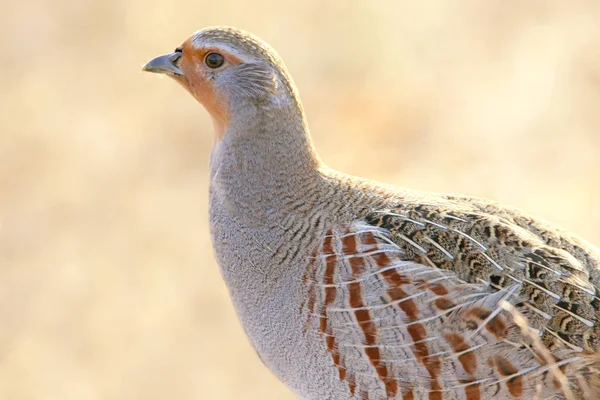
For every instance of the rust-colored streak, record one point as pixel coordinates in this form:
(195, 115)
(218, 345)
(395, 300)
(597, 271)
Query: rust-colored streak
(363, 317)
(328, 242)
(410, 309)
(408, 394)
(330, 291)
(436, 391)
(341, 367)
(369, 238)
(438, 289)
(417, 331)
(435, 394)
(330, 294)
(507, 368)
(351, 384)
(323, 322)
(515, 386)
(433, 366)
(364, 320)
(472, 390)
(357, 265)
(349, 244)
(443, 303)
(331, 348)
(382, 260)
(328, 279)
(468, 359)
(495, 326)
(395, 282)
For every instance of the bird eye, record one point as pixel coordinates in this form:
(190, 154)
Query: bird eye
(214, 60)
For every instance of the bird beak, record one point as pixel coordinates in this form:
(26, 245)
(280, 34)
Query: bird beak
(164, 64)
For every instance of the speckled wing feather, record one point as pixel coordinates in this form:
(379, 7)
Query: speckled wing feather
(486, 243)
(389, 298)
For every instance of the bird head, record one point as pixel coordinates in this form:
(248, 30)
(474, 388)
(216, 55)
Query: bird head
(228, 70)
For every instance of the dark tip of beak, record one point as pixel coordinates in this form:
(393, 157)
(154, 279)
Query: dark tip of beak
(164, 64)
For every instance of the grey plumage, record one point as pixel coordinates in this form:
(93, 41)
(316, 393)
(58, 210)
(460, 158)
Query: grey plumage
(353, 289)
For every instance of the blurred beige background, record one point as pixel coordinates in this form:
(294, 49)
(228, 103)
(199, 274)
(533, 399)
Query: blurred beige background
(108, 286)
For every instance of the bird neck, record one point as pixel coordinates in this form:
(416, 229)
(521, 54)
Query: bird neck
(264, 158)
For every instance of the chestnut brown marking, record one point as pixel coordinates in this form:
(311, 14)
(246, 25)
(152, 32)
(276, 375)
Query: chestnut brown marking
(395, 282)
(443, 303)
(433, 366)
(515, 386)
(506, 368)
(351, 384)
(341, 368)
(467, 360)
(364, 320)
(382, 260)
(472, 391)
(330, 340)
(408, 395)
(495, 326)
(357, 265)
(416, 331)
(369, 239)
(330, 294)
(438, 289)
(436, 392)
(363, 317)
(328, 242)
(349, 244)
(330, 291)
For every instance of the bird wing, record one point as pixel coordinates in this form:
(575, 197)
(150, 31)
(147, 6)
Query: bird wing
(486, 243)
(399, 326)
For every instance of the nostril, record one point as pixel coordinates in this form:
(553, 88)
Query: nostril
(175, 58)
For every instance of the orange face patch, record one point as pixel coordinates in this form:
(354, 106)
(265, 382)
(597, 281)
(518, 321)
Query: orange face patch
(197, 80)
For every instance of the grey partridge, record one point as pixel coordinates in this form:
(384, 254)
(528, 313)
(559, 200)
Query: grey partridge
(351, 289)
